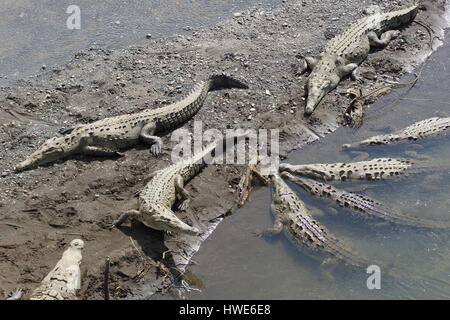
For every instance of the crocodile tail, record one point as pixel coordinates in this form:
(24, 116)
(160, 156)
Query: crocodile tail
(225, 81)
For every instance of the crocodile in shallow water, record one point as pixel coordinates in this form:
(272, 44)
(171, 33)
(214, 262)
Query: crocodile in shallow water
(292, 215)
(105, 137)
(418, 130)
(346, 51)
(374, 169)
(361, 206)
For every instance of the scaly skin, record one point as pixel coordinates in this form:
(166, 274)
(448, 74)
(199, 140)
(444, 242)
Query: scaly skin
(65, 279)
(418, 130)
(159, 195)
(106, 137)
(292, 215)
(360, 205)
(375, 169)
(345, 52)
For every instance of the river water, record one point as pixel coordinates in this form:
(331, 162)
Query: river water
(234, 264)
(35, 33)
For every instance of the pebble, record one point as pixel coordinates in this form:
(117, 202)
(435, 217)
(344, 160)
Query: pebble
(237, 14)
(148, 35)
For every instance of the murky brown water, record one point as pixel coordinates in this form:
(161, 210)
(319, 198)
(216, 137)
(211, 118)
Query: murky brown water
(235, 264)
(34, 33)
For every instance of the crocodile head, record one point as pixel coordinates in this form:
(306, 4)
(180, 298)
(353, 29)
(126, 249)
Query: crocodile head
(283, 196)
(159, 217)
(50, 151)
(306, 170)
(318, 85)
(306, 184)
(372, 141)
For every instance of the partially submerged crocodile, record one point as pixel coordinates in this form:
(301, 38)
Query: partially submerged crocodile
(345, 52)
(374, 169)
(65, 279)
(106, 137)
(418, 130)
(360, 205)
(165, 186)
(292, 215)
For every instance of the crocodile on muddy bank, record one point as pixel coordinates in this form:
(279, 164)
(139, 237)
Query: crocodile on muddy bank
(106, 137)
(345, 52)
(165, 186)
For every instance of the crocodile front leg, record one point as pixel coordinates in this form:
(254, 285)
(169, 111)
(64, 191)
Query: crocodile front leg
(147, 136)
(182, 193)
(384, 40)
(132, 214)
(308, 63)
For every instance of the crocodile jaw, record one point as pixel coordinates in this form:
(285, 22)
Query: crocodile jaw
(319, 84)
(50, 151)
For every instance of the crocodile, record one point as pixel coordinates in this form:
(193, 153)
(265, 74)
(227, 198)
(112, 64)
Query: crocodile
(107, 136)
(375, 169)
(65, 279)
(419, 130)
(361, 206)
(346, 51)
(292, 216)
(165, 186)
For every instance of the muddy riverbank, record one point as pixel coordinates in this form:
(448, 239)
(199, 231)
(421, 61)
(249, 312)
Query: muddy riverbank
(42, 210)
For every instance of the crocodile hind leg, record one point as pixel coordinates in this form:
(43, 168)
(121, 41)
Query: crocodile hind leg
(274, 230)
(182, 193)
(132, 214)
(147, 136)
(384, 40)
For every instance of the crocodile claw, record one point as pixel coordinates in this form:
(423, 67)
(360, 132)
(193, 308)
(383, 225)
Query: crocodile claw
(184, 205)
(155, 149)
(111, 226)
(16, 294)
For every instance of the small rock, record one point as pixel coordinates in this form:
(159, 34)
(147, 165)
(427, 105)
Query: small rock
(148, 35)
(372, 9)
(237, 14)
(44, 67)
(268, 92)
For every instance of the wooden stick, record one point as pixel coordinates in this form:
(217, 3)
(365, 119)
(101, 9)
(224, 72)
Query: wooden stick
(106, 281)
